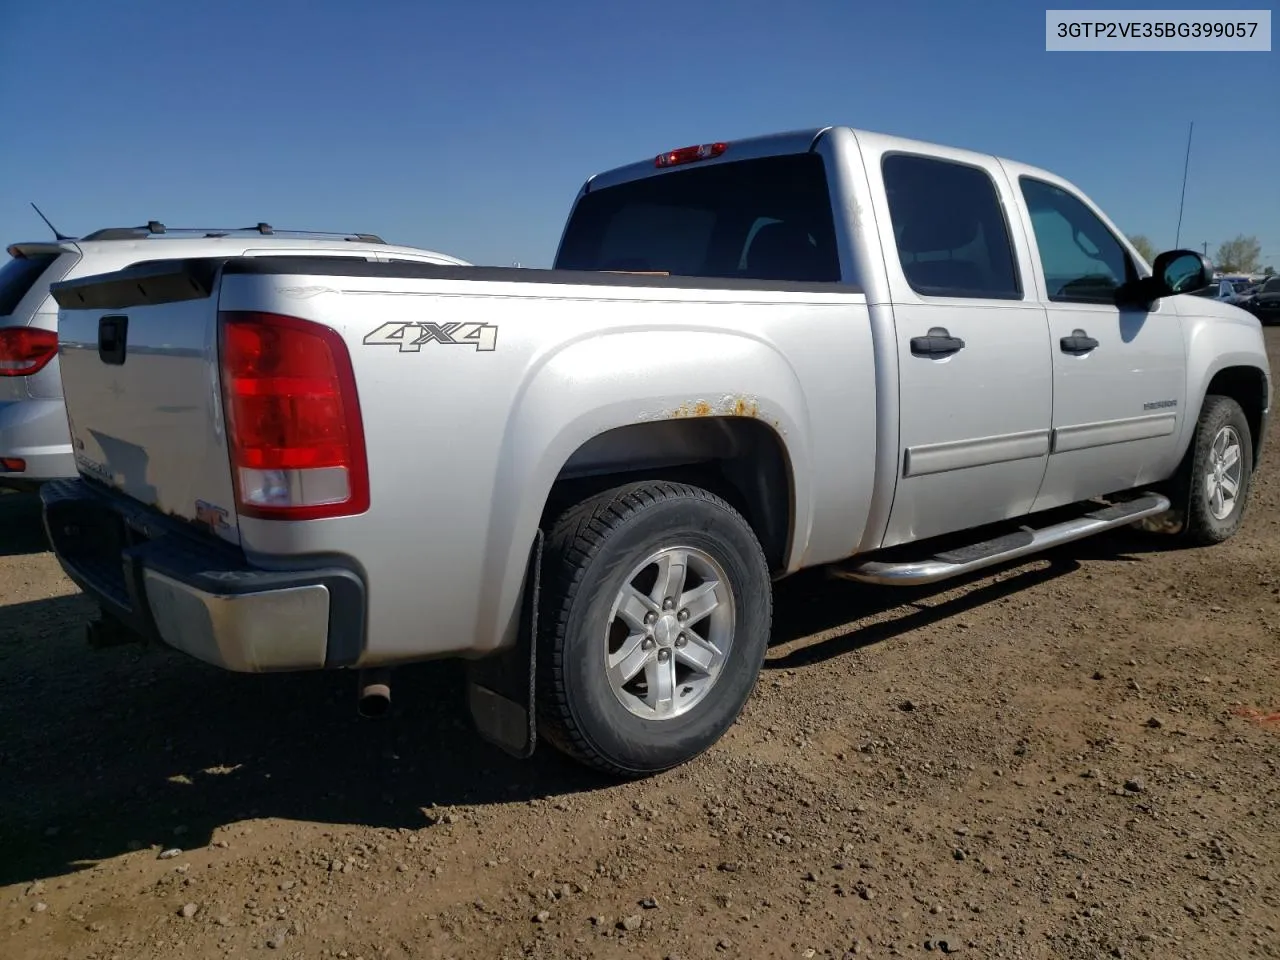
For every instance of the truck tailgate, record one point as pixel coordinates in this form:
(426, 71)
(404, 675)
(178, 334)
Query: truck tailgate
(140, 378)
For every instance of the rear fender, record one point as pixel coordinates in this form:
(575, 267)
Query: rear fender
(595, 385)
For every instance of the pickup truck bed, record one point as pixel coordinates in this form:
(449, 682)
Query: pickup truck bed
(821, 348)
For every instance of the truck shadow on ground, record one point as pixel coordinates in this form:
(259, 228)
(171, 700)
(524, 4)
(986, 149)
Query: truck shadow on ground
(21, 526)
(818, 617)
(106, 751)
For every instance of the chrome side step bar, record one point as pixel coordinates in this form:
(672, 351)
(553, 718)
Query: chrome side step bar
(1011, 546)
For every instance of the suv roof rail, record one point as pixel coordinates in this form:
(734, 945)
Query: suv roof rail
(155, 228)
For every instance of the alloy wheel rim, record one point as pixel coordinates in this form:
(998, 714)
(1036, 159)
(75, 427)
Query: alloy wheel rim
(669, 633)
(1224, 473)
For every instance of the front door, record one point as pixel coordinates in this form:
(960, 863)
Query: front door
(974, 365)
(1119, 374)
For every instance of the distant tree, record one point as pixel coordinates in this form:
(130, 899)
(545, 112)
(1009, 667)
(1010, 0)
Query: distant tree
(1144, 246)
(1241, 255)
(1269, 271)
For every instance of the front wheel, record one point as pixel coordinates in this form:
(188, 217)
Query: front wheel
(657, 610)
(1218, 472)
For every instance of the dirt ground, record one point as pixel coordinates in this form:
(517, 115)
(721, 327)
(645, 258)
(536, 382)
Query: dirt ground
(1076, 757)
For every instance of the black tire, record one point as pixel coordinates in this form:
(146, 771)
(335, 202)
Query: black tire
(1203, 527)
(591, 550)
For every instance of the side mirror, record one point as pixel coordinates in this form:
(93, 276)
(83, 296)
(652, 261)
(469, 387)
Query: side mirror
(1181, 271)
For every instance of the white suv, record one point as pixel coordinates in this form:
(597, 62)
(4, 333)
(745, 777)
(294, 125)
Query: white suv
(35, 444)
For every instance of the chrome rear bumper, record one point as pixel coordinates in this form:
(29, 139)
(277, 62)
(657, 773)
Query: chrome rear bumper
(165, 581)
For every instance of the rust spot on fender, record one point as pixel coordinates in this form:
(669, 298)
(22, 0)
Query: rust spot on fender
(698, 408)
(730, 405)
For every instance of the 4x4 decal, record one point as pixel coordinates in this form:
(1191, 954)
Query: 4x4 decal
(410, 337)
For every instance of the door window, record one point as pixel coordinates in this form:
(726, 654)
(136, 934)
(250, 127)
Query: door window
(950, 229)
(1083, 262)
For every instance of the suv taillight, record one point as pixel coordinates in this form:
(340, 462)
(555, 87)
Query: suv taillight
(26, 350)
(293, 418)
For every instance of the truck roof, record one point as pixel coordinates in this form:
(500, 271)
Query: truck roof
(791, 141)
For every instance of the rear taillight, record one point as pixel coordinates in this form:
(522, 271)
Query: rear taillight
(26, 350)
(293, 418)
(13, 465)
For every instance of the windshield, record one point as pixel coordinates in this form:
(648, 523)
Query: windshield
(18, 276)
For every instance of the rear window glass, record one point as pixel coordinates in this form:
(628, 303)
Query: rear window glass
(765, 219)
(18, 276)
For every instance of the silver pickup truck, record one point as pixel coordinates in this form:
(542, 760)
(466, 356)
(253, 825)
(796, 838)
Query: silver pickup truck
(897, 360)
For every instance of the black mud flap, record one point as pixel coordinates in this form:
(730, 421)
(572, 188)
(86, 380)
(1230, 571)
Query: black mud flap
(500, 688)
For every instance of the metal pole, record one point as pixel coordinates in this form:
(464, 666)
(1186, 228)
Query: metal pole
(1186, 164)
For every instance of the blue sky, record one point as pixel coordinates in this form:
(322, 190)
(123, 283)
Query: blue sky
(469, 128)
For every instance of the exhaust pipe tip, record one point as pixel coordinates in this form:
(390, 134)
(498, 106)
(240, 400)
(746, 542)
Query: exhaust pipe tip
(374, 699)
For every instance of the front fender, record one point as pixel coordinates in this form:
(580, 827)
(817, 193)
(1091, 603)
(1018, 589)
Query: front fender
(1228, 338)
(583, 389)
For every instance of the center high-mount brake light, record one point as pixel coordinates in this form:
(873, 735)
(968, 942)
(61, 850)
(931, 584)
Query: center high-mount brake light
(293, 418)
(693, 154)
(26, 350)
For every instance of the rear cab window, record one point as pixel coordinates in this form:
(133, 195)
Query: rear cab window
(19, 275)
(766, 219)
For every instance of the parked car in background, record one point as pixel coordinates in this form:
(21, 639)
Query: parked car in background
(1237, 290)
(899, 360)
(34, 442)
(1265, 302)
(1230, 289)
(1222, 290)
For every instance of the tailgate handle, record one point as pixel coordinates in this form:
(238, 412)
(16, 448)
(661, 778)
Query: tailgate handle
(113, 332)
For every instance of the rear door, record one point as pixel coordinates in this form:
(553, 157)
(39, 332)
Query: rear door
(975, 374)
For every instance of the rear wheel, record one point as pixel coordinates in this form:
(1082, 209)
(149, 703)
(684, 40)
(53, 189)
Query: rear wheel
(657, 601)
(1216, 477)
